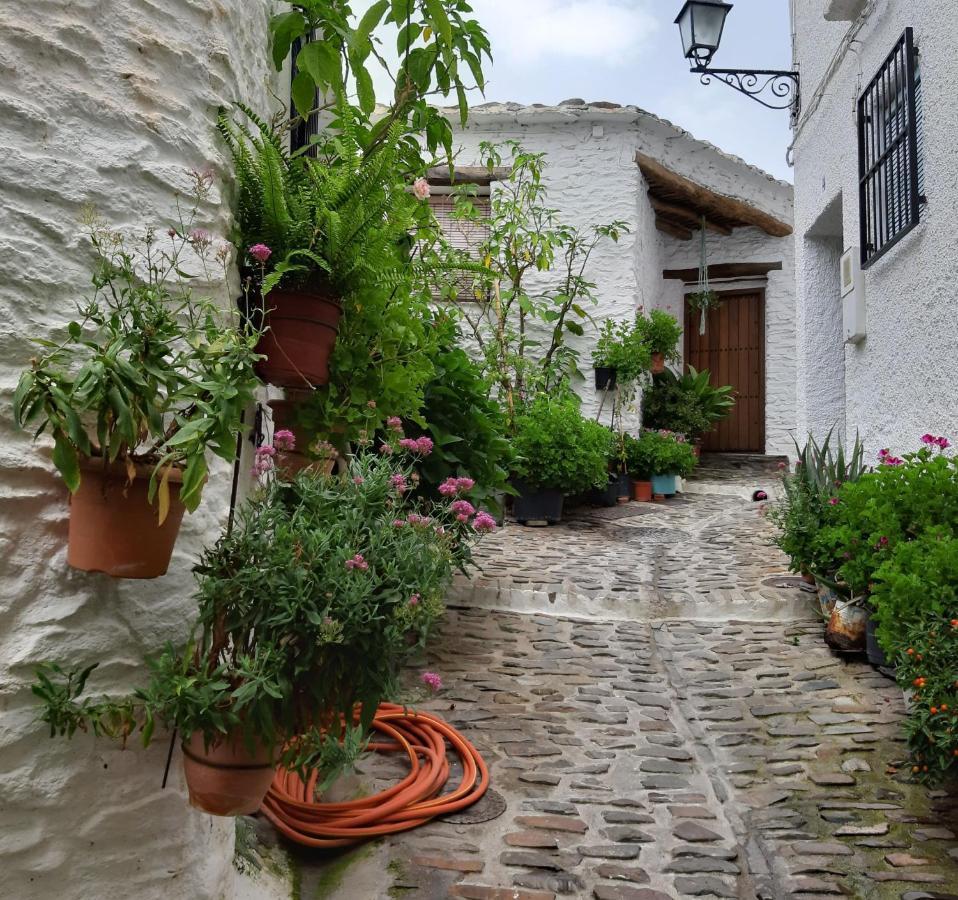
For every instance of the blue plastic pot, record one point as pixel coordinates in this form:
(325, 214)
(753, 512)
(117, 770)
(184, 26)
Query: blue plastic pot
(663, 484)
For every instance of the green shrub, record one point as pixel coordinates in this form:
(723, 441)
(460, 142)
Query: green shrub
(659, 453)
(688, 403)
(623, 347)
(557, 449)
(641, 455)
(660, 331)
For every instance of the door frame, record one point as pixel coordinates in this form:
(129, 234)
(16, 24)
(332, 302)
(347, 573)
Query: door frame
(725, 290)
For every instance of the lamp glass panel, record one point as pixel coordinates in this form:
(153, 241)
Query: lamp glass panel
(708, 21)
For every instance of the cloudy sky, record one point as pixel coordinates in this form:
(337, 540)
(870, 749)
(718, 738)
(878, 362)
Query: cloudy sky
(628, 51)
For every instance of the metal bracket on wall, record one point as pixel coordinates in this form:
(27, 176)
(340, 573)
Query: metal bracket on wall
(773, 88)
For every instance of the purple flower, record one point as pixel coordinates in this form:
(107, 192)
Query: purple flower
(833, 501)
(284, 440)
(263, 460)
(424, 446)
(399, 523)
(943, 443)
(484, 522)
(432, 681)
(929, 439)
(357, 562)
(449, 488)
(409, 444)
(260, 252)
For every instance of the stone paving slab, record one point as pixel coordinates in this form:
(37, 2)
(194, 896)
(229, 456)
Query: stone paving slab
(651, 759)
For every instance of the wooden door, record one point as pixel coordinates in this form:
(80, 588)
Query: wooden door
(733, 350)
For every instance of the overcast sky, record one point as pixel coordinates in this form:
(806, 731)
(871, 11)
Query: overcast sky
(628, 51)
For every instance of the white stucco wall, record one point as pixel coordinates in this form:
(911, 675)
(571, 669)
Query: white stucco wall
(104, 103)
(898, 383)
(593, 177)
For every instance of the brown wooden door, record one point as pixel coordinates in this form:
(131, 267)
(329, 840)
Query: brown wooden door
(733, 350)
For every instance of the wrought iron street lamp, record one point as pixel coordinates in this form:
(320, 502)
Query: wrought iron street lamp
(701, 23)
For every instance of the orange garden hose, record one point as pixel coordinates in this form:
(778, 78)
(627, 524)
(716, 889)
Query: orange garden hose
(412, 802)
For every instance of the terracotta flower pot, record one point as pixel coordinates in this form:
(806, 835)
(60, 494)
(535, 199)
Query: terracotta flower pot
(114, 528)
(846, 627)
(302, 329)
(226, 779)
(642, 491)
(658, 363)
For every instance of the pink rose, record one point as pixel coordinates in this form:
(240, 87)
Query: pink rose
(420, 189)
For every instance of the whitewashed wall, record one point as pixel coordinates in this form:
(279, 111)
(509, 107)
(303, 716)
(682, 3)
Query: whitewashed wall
(103, 103)
(899, 383)
(593, 177)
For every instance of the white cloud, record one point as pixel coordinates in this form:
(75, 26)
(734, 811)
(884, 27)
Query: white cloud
(524, 32)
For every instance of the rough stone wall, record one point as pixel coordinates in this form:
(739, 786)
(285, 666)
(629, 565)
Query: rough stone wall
(103, 103)
(899, 382)
(593, 177)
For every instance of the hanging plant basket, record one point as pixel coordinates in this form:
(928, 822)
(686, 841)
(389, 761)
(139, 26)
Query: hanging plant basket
(301, 333)
(703, 301)
(115, 529)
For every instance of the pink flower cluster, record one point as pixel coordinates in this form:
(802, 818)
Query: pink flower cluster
(432, 681)
(414, 600)
(452, 486)
(463, 509)
(421, 446)
(941, 442)
(260, 252)
(399, 482)
(886, 459)
(263, 460)
(416, 519)
(394, 423)
(357, 562)
(284, 440)
(484, 522)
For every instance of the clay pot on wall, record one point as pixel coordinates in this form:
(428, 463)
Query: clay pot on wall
(302, 329)
(226, 779)
(846, 627)
(642, 491)
(658, 363)
(115, 529)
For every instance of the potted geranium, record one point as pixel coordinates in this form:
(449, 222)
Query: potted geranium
(557, 453)
(307, 608)
(660, 331)
(147, 379)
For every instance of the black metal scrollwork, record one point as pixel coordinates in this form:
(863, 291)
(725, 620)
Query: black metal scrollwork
(773, 89)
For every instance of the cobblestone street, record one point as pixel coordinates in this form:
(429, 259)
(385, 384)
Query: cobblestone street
(658, 758)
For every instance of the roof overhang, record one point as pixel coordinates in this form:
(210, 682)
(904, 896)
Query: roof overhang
(680, 205)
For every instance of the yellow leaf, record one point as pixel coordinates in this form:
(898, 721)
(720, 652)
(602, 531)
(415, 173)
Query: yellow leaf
(163, 495)
(487, 262)
(426, 34)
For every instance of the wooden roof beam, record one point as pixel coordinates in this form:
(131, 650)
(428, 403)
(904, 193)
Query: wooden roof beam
(676, 231)
(702, 197)
(686, 214)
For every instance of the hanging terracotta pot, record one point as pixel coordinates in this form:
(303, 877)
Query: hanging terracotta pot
(114, 528)
(301, 334)
(642, 491)
(658, 363)
(846, 627)
(226, 779)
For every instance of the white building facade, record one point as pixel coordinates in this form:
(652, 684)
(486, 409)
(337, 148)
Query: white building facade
(607, 162)
(875, 178)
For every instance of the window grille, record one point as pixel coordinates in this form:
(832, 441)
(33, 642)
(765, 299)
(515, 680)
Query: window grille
(890, 141)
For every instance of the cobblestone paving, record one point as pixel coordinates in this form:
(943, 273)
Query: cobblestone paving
(652, 760)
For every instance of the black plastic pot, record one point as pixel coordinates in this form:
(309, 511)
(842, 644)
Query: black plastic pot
(876, 655)
(607, 496)
(623, 486)
(604, 378)
(536, 505)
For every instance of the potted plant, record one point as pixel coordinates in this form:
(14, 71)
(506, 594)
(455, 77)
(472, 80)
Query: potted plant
(307, 608)
(556, 453)
(313, 229)
(660, 332)
(621, 355)
(687, 403)
(641, 459)
(669, 456)
(147, 379)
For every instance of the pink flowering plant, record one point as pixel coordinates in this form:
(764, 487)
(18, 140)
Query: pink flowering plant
(148, 373)
(308, 608)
